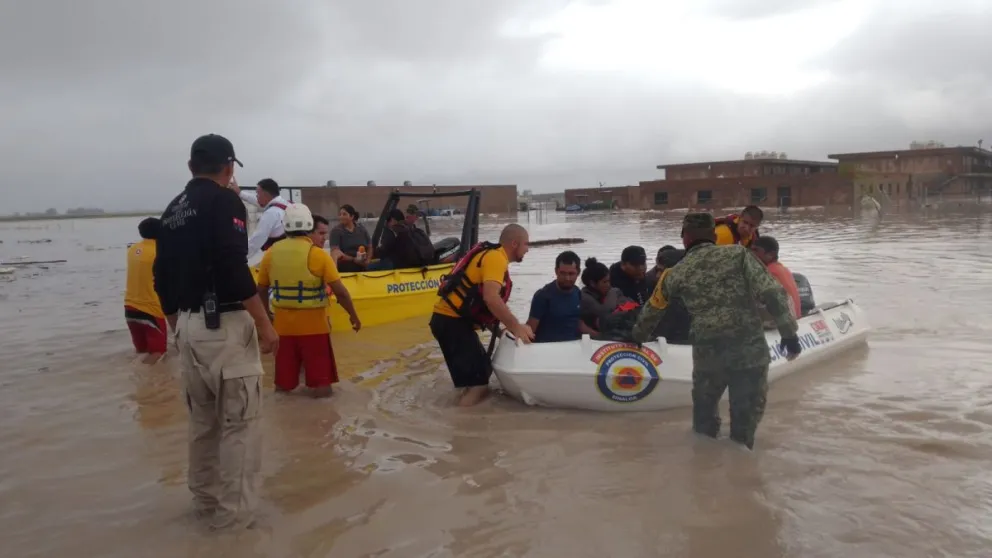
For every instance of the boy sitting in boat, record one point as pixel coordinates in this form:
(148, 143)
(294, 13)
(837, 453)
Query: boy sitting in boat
(766, 249)
(555, 309)
(667, 256)
(628, 274)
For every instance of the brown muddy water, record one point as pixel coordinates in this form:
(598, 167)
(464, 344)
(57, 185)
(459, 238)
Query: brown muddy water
(884, 452)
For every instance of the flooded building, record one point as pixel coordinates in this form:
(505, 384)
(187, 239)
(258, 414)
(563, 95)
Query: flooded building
(765, 178)
(925, 171)
(759, 163)
(762, 178)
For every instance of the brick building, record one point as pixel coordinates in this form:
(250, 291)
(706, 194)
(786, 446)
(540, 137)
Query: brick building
(761, 164)
(326, 200)
(925, 171)
(766, 179)
(821, 188)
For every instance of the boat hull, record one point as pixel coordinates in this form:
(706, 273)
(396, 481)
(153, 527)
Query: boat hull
(620, 377)
(383, 297)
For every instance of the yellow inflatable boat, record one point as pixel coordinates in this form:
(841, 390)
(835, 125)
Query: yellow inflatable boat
(382, 297)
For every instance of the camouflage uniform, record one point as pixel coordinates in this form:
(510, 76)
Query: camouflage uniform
(718, 285)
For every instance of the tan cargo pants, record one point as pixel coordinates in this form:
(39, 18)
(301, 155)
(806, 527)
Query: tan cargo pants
(221, 377)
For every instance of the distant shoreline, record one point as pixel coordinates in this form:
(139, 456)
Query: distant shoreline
(111, 215)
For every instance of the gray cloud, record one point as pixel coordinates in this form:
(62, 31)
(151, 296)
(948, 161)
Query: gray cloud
(756, 9)
(100, 104)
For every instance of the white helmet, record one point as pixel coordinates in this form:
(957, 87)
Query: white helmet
(297, 218)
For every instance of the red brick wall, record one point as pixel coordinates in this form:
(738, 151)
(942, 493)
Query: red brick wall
(710, 170)
(947, 160)
(814, 189)
(370, 199)
(908, 163)
(743, 168)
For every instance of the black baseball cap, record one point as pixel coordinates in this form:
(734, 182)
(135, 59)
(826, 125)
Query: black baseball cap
(634, 255)
(213, 149)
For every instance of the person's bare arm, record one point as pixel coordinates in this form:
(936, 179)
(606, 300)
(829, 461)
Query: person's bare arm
(269, 339)
(263, 296)
(498, 308)
(344, 299)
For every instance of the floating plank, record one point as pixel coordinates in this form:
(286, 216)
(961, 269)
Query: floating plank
(35, 262)
(552, 242)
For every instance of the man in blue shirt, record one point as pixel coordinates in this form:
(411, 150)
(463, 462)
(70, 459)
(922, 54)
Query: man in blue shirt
(554, 310)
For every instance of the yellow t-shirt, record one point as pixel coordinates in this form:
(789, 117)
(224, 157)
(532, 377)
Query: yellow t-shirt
(494, 267)
(140, 293)
(309, 321)
(725, 236)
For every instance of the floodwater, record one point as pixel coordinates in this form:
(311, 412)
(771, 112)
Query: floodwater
(883, 453)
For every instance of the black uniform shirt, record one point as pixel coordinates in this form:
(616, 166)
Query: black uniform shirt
(203, 245)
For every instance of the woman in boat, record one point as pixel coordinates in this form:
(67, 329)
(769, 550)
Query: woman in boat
(599, 298)
(350, 243)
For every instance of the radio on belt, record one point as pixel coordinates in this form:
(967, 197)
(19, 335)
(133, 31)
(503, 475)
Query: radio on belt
(211, 317)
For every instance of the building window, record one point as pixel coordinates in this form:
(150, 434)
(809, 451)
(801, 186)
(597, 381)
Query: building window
(758, 195)
(704, 196)
(661, 198)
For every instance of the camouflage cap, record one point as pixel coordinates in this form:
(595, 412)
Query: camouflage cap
(412, 209)
(699, 221)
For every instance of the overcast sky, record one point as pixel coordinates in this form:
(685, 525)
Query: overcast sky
(100, 99)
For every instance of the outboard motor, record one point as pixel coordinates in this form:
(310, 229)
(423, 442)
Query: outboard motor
(806, 302)
(445, 249)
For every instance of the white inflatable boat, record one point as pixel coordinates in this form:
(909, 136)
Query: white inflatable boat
(611, 376)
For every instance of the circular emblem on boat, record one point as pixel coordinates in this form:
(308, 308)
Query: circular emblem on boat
(626, 373)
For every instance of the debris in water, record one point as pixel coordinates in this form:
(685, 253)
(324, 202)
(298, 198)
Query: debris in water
(36, 262)
(557, 241)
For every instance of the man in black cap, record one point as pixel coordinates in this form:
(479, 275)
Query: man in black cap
(628, 274)
(211, 302)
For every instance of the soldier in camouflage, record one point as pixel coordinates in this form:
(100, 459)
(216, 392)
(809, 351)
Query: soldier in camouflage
(719, 286)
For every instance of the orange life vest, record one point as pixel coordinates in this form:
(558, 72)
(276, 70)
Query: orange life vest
(473, 306)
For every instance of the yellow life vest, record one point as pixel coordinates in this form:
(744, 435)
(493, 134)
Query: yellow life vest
(293, 285)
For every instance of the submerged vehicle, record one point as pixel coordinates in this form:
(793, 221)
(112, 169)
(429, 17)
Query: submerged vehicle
(390, 296)
(611, 376)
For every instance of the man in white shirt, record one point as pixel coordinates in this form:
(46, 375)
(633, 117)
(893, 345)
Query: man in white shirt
(269, 229)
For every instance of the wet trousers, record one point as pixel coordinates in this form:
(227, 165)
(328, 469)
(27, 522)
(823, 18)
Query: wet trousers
(221, 379)
(748, 392)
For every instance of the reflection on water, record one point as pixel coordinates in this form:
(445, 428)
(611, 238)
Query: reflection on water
(881, 453)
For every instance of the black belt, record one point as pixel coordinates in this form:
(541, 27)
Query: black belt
(223, 308)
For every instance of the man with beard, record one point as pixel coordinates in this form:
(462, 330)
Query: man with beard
(474, 296)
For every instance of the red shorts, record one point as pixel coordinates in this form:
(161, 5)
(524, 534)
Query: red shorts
(314, 352)
(148, 333)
